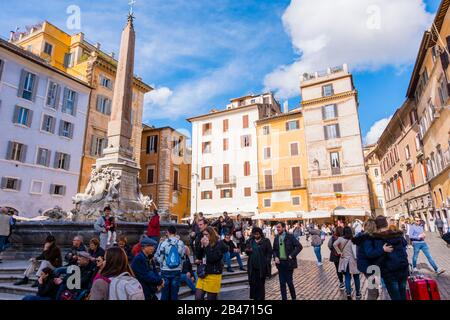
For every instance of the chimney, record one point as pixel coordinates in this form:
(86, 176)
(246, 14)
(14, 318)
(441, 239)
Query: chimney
(12, 36)
(112, 55)
(286, 107)
(97, 46)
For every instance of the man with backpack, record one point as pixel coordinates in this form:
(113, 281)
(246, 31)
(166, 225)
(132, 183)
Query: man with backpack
(169, 255)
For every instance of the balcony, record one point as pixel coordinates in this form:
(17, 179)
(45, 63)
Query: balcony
(325, 73)
(222, 182)
(282, 185)
(335, 171)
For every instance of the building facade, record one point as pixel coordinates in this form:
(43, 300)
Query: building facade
(166, 170)
(83, 60)
(282, 166)
(376, 191)
(337, 179)
(224, 156)
(429, 88)
(42, 123)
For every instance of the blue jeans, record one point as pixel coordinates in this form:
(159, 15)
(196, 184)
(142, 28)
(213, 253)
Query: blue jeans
(171, 285)
(348, 282)
(36, 298)
(318, 254)
(188, 281)
(228, 256)
(285, 275)
(396, 288)
(421, 245)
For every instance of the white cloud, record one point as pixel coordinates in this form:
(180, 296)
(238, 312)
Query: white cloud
(366, 34)
(158, 96)
(376, 130)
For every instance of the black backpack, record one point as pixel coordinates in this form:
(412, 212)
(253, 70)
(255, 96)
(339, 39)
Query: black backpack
(446, 237)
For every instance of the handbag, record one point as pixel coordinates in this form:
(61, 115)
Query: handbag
(201, 271)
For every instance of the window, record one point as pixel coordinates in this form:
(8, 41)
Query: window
(97, 146)
(327, 90)
(399, 184)
(246, 141)
(152, 144)
(407, 152)
(267, 153)
(28, 86)
(43, 157)
(418, 142)
(226, 173)
(70, 101)
(151, 175)
(335, 163)
(105, 82)
(225, 125)
(103, 105)
(411, 178)
(443, 91)
(177, 146)
(413, 117)
(376, 172)
(247, 192)
(62, 161)
(23, 116)
(16, 151)
(11, 184)
(268, 179)
(66, 129)
(226, 193)
(48, 48)
(207, 128)
(296, 177)
(53, 95)
(36, 187)
(57, 190)
(332, 132)
(329, 112)
(266, 130)
(380, 203)
(337, 187)
(206, 173)
(2, 64)
(292, 125)
(206, 147)
(206, 195)
(225, 144)
(245, 121)
(295, 201)
(267, 203)
(176, 180)
(247, 168)
(294, 149)
(68, 60)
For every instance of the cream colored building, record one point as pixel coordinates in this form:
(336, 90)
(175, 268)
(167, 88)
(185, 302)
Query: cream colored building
(373, 169)
(337, 179)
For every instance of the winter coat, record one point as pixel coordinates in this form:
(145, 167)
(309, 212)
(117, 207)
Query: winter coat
(316, 240)
(52, 255)
(293, 248)
(231, 246)
(344, 247)
(100, 225)
(362, 241)
(334, 256)
(164, 248)
(266, 248)
(214, 257)
(154, 228)
(227, 226)
(73, 252)
(393, 265)
(48, 289)
(97, 253)
(147, 275)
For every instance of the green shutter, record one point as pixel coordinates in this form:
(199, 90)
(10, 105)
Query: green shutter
(29, 118)
(65, 97)
(23, 76)
(16, 114)
(35, 87)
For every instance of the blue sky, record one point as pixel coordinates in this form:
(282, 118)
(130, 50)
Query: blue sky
(199, 54)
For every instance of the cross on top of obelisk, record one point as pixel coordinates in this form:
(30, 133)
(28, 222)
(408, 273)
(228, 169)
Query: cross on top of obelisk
(131, 3)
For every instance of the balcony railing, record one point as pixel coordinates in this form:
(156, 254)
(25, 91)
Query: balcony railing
(282, 185)
(335, 171)
(324, 73)
(221, 181)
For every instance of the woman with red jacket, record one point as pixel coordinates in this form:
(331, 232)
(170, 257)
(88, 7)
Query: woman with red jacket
(153, 230)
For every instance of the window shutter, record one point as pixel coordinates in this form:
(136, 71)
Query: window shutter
(297, 124)
(23, 153)
(71, 130)
(287, 126)
(35, 88)
(335, 110)
(4, 181)
(105, 144)
(57, 97)
(63, 191)
(93, 144)
(49, 155)
(18, 185)
(53, 124)
(65, 97)
(1, 68)
(99, 103)
(16, 114)
(338, 132)
(323, 112)
(52, 189)
(29, 118)
(203, 173)
(75, 104)
(108, 107)
(44, 121)
(147, 148)
(245, 121)
(325, 132)
(56, 161)
(9, 150)
(61, 126)
(67, 162)
(23, 75)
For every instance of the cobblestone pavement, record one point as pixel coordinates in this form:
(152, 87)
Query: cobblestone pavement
(321, 283)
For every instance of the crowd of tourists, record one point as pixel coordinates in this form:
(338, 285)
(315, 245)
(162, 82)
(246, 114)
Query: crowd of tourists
(107, 267)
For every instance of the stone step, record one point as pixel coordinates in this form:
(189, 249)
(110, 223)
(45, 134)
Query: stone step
(10, 297)
(11, 278)
(10, 288)
(191, 297)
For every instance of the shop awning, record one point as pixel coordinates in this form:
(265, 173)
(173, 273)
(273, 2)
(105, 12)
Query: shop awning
(264, 216)
(317, 215)
(351, 212)
(292, 215)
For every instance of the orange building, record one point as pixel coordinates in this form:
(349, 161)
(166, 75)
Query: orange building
(166, 170)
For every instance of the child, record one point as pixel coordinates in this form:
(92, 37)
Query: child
(110, 225)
